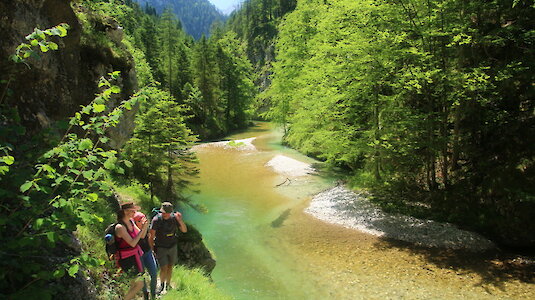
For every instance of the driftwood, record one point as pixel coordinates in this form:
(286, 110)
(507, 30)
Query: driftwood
(285, 180)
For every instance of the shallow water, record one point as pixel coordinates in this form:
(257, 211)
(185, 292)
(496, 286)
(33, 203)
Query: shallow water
(267, 248)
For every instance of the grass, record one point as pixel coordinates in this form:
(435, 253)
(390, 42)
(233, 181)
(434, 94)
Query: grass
(236, 144)
(193, 284)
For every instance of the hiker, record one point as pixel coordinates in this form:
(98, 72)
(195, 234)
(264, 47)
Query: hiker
(129, 253)
(148, 260)
(163, 240)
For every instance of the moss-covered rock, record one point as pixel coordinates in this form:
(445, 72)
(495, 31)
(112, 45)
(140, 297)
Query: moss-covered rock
(192, 251)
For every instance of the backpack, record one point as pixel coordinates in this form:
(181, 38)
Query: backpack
(109, 237)
(155, 212)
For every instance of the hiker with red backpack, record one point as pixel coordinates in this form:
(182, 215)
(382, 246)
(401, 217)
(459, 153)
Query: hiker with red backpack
(129, 253)
(163, 240)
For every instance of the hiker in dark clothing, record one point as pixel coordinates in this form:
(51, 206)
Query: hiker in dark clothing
(163, 240)
(127, 236)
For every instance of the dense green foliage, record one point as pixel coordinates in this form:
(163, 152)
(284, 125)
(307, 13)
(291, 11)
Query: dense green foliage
(47, 195)
(431, 100)
(215, 66)
(196, 16)
(159, 148)
(256, 24)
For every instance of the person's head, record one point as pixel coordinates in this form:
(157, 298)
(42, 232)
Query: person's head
(166, 209)
(128, 209)
(138, 216)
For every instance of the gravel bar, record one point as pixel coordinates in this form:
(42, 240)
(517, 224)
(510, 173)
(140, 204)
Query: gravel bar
(341, 206)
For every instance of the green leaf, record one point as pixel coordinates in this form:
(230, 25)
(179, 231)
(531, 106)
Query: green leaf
(43, 47)
(128, 163)
(62, 202)
(39, 223)
(53, 45)
(104, 140)
(99, 107)
(34, 43)
(51, 236)
(59, 273)
(49, 168)
(85, 144)
(86, 109)
(92, 197)
(8, 160)
(115, 89)
(73, 270)
(26, 186)
(63, 30)
(110, 163)
(4, 170)
(88, 174)
(115, 74)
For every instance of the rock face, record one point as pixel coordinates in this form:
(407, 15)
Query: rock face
(57, 84)
(192, 252)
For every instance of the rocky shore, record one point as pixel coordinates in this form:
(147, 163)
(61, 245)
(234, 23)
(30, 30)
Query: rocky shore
(341, 206)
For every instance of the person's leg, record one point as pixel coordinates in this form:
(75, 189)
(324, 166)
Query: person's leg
(135, 286)
(164, 270)
(168, 276)
(163, 262)
(152, 268)
(172, 260)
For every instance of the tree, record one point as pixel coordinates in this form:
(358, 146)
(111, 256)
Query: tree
(159, 148)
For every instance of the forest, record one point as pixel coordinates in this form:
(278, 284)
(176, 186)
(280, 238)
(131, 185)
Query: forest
(426, 104)
(429, 103)
(196, 16)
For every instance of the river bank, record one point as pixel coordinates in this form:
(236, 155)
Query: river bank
(349, 209)
(341, 206)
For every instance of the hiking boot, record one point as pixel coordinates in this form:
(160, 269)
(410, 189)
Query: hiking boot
(160, 289)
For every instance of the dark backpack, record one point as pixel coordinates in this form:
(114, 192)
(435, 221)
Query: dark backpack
(109, 237)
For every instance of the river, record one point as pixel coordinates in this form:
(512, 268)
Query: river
(267, 248)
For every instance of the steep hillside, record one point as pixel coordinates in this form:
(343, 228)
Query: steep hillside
(196, 16)
(55, 86)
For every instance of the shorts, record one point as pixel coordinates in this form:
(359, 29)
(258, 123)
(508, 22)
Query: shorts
(129, 266)
(166, 256)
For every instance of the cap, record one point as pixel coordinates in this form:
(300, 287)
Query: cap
(129, 205)
(167, 207)
(138, 216)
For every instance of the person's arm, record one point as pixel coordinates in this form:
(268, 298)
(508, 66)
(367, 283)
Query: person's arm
(152, 235)
(152, 232)
(144, 234)
(181, 224)
(121, 232)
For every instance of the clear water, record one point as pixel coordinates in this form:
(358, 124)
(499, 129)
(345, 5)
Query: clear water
(267, 248)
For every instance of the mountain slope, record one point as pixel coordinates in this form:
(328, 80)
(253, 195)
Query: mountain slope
(196, 16)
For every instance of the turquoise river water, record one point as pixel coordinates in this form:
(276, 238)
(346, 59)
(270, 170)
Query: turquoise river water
(266, 247)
